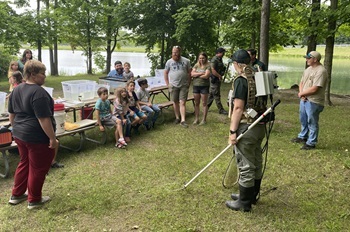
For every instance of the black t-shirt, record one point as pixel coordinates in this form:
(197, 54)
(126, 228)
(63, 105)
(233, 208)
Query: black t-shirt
(29, 102)
(241, 89)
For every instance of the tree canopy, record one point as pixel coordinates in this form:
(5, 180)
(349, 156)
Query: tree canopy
(195, 25)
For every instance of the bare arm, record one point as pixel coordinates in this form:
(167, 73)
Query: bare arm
(47, 127)
(206, 75)
(309, 91)
(236, 118)
(12, 118)
(166, 77)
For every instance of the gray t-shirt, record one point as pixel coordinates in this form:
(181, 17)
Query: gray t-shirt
(143, 95)
(178, 72)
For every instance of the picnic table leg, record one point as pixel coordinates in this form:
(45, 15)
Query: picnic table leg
(102, 141)
(81, 141)
(6, 163)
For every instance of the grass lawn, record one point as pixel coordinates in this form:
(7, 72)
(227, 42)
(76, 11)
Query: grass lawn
(102, 188)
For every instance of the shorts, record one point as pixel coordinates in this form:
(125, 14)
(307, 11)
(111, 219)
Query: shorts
(125, 117)
(201, 89)
(138, 113)
(109, 120)
(178, 93)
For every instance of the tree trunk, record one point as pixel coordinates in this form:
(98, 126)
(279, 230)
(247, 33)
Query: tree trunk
(264, 32)
(54, 70)
(313, 23)
(255, 20)
(328, 59)
(39, 26)
(162, 53)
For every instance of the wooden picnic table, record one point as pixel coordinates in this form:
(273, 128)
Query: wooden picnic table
(84, 125)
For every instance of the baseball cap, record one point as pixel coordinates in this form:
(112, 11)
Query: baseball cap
(220, 50)
(241, 56)
(313, 54)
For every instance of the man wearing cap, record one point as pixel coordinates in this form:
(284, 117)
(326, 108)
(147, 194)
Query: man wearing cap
(257, 65)
(218, 70)
(312, 96)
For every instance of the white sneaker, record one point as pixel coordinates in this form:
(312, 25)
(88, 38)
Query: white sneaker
(16, 200)
(36, 205)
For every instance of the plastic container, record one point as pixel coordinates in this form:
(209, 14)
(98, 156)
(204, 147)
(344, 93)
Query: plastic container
(86, 113)
(48, 89)
(60, 118)
(78, 90)
(2, 102)
(113, 84)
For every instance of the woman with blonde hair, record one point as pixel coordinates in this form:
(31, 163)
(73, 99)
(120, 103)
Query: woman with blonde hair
(12, 68)
(200, 75)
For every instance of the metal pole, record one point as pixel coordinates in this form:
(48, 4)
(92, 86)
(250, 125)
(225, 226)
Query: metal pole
(238, 138)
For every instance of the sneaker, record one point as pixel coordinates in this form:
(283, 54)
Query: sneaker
(16, 200)
(308, 147)
(184, 124)
(195, 122)
(222, 111)
(202, 123)
(298, 140)
(177, 121)
(57, 165)
(127, 139)
(148, 127)
(122, 141)
(36, 205)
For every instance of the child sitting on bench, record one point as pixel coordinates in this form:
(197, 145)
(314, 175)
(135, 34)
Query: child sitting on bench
(105, 117)
(152, 110)
(121, 110)
(139, 117)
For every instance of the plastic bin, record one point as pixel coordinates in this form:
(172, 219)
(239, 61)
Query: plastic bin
(112, 82)
(78, 90)
(2, 102)
(48, 89)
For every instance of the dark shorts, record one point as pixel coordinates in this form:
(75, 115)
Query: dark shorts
(201, 89)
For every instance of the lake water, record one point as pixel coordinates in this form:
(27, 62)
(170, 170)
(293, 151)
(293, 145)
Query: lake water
(289, 69)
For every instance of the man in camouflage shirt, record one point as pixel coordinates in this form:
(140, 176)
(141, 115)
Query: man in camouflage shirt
(217, 73)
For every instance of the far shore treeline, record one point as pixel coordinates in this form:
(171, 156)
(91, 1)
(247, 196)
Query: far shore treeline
(156, 26)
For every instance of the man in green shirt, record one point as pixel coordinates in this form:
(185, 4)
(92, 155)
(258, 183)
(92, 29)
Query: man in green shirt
(217, 73)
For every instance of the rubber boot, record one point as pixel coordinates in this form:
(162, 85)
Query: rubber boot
(256, 196)
(244, 203)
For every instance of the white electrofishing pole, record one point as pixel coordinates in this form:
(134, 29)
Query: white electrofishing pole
(238, 138)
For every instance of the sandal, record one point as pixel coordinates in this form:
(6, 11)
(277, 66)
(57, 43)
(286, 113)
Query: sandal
(119, 145)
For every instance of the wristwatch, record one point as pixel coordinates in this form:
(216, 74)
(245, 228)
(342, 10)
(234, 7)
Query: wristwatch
(233, 132)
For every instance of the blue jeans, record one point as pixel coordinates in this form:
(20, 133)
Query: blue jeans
(309, 114)
(152, 113)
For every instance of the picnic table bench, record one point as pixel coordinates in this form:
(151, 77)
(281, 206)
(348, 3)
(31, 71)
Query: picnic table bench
(84, 125)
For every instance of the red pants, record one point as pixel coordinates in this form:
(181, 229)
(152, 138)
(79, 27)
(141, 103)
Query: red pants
(32, 169)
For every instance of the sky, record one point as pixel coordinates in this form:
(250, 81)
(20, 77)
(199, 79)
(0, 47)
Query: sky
(21, 10)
